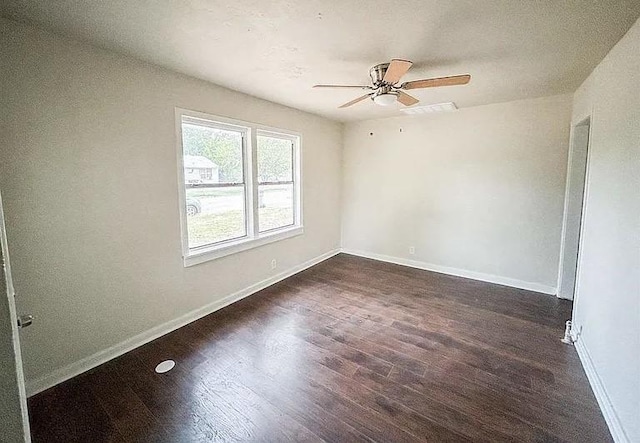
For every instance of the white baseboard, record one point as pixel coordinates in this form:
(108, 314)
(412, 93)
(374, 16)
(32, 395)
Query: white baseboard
(77, 368)
(505, 281)
(609, 413)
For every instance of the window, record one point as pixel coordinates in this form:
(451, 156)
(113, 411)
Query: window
(275, 181)
(239, 187)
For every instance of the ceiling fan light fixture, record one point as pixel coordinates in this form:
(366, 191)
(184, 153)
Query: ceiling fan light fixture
(386, 99)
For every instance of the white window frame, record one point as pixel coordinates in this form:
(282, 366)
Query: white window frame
(294, 141)
(254, 238)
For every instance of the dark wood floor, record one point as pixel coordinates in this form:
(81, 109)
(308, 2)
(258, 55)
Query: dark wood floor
(349, 350)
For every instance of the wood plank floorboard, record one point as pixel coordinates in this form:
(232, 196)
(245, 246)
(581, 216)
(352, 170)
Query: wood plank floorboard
(349, 350)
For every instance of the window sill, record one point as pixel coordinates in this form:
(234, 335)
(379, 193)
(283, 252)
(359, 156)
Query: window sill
(214, 252)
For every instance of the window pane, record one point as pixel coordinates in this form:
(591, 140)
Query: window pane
(275, 206)
(214, 176)
(275, 159)
(211, 155)
(215, 214)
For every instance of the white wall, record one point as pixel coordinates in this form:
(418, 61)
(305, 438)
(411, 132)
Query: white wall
(478, 192)
(89, 178)
(607, 304)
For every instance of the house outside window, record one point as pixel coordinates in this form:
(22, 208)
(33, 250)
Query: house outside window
(200, 170)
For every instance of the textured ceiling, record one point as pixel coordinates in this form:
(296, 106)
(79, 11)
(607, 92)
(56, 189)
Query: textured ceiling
(278, 49)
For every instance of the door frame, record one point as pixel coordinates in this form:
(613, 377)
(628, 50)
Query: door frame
(9, 292)
(586, 121)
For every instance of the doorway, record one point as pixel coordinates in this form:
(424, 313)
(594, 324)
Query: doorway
(573, 210)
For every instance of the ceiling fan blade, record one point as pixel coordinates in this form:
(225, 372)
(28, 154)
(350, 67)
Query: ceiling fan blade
(397, 68)
(342, 86)
(406, 99)
(435, 82)
(353, 102)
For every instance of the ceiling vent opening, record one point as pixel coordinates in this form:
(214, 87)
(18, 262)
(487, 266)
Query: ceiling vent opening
(431, 109)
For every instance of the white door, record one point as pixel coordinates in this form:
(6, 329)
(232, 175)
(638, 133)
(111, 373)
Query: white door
(14, 423)
(574, 198)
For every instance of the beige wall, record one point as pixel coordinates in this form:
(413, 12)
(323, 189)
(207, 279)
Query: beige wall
(89, 179)
(478, 192)
(607, 303)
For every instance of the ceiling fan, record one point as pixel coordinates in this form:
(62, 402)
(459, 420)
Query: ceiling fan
(385, 89)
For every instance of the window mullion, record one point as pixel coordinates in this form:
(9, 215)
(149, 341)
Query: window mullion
(253, 183)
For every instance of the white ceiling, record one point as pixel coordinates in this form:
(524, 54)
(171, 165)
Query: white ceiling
(278, 49)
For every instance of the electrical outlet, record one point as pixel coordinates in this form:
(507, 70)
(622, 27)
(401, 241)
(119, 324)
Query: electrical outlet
(274, 264)
(412, 250)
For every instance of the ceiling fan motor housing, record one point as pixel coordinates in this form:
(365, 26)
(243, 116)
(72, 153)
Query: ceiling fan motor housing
(377, 73)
